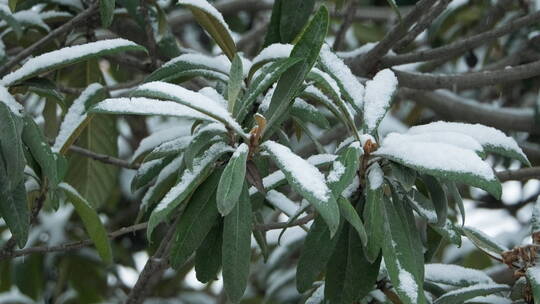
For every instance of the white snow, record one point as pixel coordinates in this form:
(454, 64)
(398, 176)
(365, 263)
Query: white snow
(157, 138)
(146, 166)
(174, 145)
(8, 99)
(265, 103)
(208, 8)
(488, 286)
(333, 84)
(535, 219)
(312, 90)
(454, 138)
(375, 176)
(282, 202)
(337, 171)
(193, 100)
(434, 156)
(486, 136)
(37, 64)
(378, 96)
(341, 71)
(348, 192)
(455, 275)
(407, 284)
(317, 297)
(272, 52)
(491, 299)
(533, 273)
(242, 149)
(28, 17)
(75, 116)
(364, 139)
(148, 106)
(216, 63)
(305, 174)
(214, 95)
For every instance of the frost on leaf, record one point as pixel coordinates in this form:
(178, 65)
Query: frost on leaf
(378, 96)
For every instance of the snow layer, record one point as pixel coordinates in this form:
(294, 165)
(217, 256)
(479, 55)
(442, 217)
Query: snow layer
(455, 275)
(208, 8)
(157, 138)
(378, 96)
(280, 201)
(7, 99)
(216, 63)
(272, 52)
(40, 62)
(75, 116)
(454, 138)
(375, 176)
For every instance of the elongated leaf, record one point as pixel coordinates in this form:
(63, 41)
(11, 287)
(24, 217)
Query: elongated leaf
(212, 21)
(77, 118)
(273, 34)
(185, 63)
(374, 222)
(402, 251)
(14, 208)
(378, 97)
(92, 223)
(294, 15)
(168, 148)
(309, 113)
(423, 206)
(203, 137)
(316, 252)
(533, 276)
(491, 139)
(190, 99)
(11, 21)
(308, 48)
(455, 275)
(307, 181)
(68, 55)
(445, 161)
(535, 219)
(106, 9)
(235, 81)
(459, 296)
(438, 197)
(11, 148)
(208, 255)
(232, 181)
(273, 52)
(344, 169)
(196, 221)
(236, 250)
(350, 214)
(456, 197)
(189, 181)
(449, 231)
(405, 176)
(148, 171)
(483, 242)
(349, 276)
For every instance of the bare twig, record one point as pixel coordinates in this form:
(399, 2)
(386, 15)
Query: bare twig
(118, 86)
(348, 19)
(152, 45)
(273, 226)
(104, 158)
(520, 174)
(460, 47)
(80, 18)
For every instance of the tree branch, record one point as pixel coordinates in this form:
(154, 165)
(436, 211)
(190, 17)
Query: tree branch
(274, 226)
(104, 158)
(520, 174)
(348, 19)
(80, 18)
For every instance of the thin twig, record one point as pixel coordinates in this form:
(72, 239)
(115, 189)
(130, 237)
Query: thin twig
(151, 40)
(80, 18)
(114, 87)
(104, 158)
(273, 226)
(348, 20)
(520, 174)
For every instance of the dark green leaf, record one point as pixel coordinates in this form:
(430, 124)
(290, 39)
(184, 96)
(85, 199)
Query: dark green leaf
(11, 148)
(273, 32)
(483, 242)
(294, 16)
(14, 208)
(438, 197)
(106, 9)
(11, 21)
(533, 276)
(344, 169)
(374, 222)
(232, 181)
(208, 255)
(350, 214)
(309, 113)
(148, 171)
(236, 78)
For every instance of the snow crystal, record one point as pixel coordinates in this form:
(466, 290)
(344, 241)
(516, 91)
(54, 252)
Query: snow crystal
(242, 149)
(408, 285)
(337, 171)
(192, 99)
(209, 9)
(36, 64)
(434, 156)
(486, 136)
(375, 176)
(455, 275)
(189, 175)
(75, 116)
(280, 201)
(217, 63)
(272, 52)
(348, 192)
(341, 71)
(265, 103)
(333, 84)
(304, 173)
(454, 138)
(378, 96)
(7, 99)
(148, 106)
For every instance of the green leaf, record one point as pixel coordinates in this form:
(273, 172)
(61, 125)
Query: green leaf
(438, 197)
(533, 277)
(148, 171)
(208, 255)
(307, 48)
(406, 177)
(43, 87)
(423, 206)
(232, 180)
(261, 83)
(68, 55)
(11, 148)
(189, 181)
(374, 222)
(461, 295)
(294, 16)
(483, 242)
(402, 252)
(309, 113)
(203, 137)
(344, 169)
(236, 77)
(11, 21)
(449, 231)
(455, 275)
(191, 65)
(307, 181)
(106, 10)
(236, 250)
(316, 252)
(456, 197)
(12, 5)
(349, 276)
(14, 208)
(212, 21)
(92, 223)
(273, 31)
(196, 222)
(350, 214)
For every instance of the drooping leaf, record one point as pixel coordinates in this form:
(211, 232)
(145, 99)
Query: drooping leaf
(232, 181)
(456, 198)
(236, 248)
(374, 213)
(459, 296)
(306, 180)
(449, 231)
(68, 55)
(309, 113)
(11, 147)
(344, 168)
(92, 223)
(14, 208)
(455, 275)
(483, 242)
(215, 67)
(11, 21)
(208, 255)
(212, 21)
(196, 222)
(438, 197)
(148, 171)
(204, 136)
(271, 53)
(423, 206)
(350, 214)
(106, 10)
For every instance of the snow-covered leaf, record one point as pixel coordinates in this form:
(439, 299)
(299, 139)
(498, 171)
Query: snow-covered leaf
(11, 148)
(374, 212)
(77, 117)
(236, 79)
(449, 231)
(455, 275)
(423, 206)
(309, 113)
(273, 52)
(148, 171)
(441, 160)
(212, 21)
(92, 223)
(535, 218)
(157, 138)
(306, 180)
(378, 97)
(66, 56)
(491, 139)
(459, 296)
(344, 168)
(533, 276)
(192, 64)
(294, 16)
(232, 180)
(483, 242)
(204, 136)
(170, 147)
